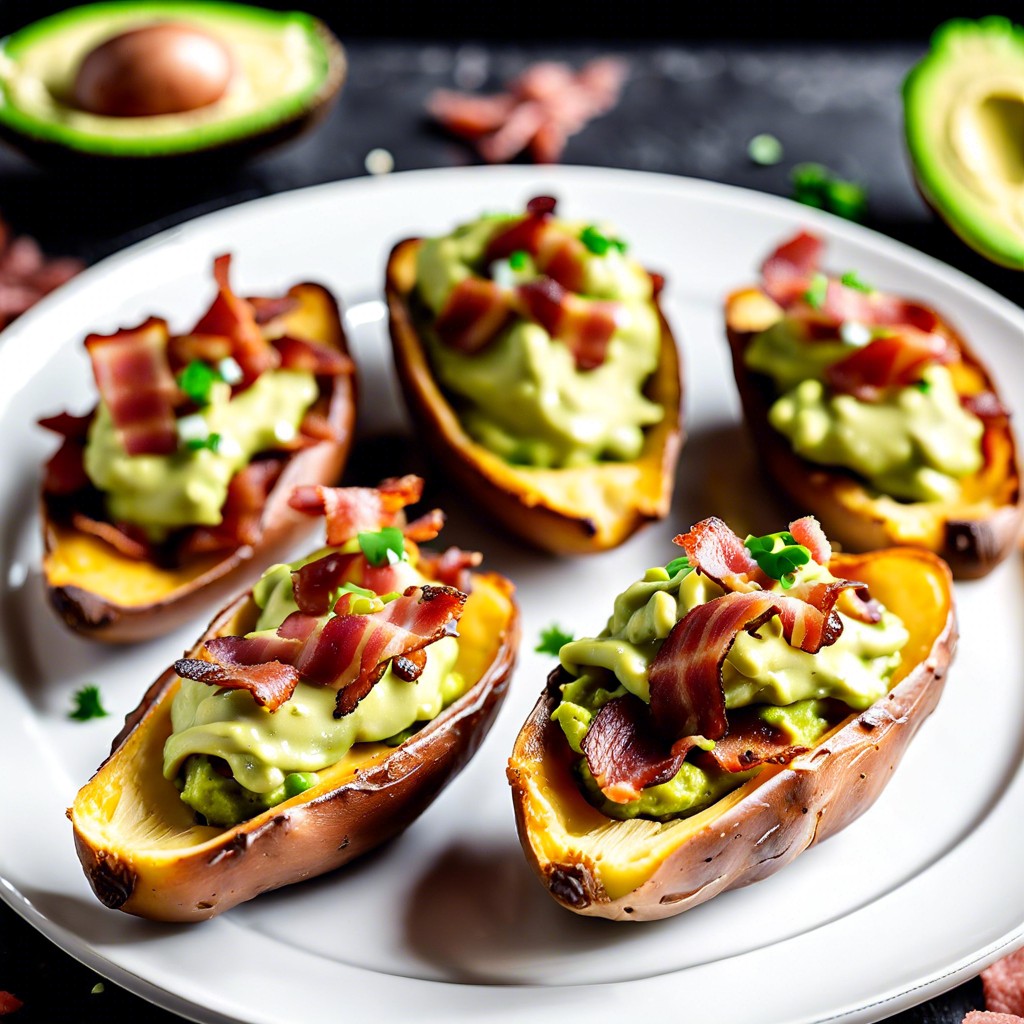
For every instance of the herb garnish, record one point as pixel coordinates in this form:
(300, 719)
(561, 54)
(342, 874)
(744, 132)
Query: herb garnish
(815, 294)
(517, 260)
(211, 443)
(851, 280)
(552, 640)
(815, 185)
(598, 242)
(781, 563)
(197, 380)
(386, 547)
(764, 150)
(87, 704)
(677, 565)
(923, 385)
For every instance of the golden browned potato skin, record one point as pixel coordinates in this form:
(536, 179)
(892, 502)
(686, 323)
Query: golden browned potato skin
(207, 583)
(973, 537)
(305, 836)
(541, 506)
(764, 825)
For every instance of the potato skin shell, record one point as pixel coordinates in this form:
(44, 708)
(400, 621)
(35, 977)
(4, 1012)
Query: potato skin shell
(972, 547)
(300, 838)
(99, 618)
(506, 494)
(812, 798)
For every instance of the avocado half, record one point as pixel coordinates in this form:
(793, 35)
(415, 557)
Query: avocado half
(287, 68)
(964, 118)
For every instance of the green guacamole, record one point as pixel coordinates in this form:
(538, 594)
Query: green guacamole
(264, 749)
(188, 488)
(788, 686)
(522, 396)
(915, 443)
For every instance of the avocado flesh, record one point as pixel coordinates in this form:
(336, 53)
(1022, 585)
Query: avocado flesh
(287, 68)
(964, 119)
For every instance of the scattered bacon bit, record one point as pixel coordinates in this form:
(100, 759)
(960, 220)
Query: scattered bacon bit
(266, 309)
(452, 567)
(322, 360)
(476, 311)
(425, 527)
(9, 1003)
(808, 531)
(786, 273)
(751, 742)
(122, 537)
(352, 510)
(1003, 984)
(892, 361)
(523, 234)
(233, 317)
(134, 379)
(314, 583)
(270, 683)
(409, 667)
(183, 349)
(64, 473)
(538, 111)
(717, 552)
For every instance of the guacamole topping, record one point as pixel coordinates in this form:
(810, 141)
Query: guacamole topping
(523, 396)
(914, 443)
(189, 486)
(263, 750)
(789, 688)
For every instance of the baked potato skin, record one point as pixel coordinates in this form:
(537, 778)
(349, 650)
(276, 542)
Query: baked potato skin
(796, 806)
(305, 836)
(212, 581)
(972, 545)
(502, 490)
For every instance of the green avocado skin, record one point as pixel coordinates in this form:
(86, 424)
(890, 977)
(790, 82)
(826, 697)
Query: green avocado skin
(964, 55)
(56, 133)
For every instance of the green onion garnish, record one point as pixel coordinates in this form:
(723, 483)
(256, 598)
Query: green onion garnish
(778, 555)
(386, 547)
(197, 380)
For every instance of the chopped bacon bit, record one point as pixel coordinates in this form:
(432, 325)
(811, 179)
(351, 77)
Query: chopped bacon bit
(523, 234)
(750, 742)
(68, 425)
(266, 309)
(183, 349)
(657, 283)
(585, 326)
(542, 206)
(123, 538)
(452, 567)
(1003, 984)
(720, 555)
(425, 527)
(623, 753)
(322, 360)
(892, 361)
(540, 109)
(314, 583)
(352, 510)
(232, 317)
(135, 382)
(64, 472)
(476, 311)
(808, 531)
(985, 405)
(788, 270)
(9, 1003)
(409, 667)
(270, 683)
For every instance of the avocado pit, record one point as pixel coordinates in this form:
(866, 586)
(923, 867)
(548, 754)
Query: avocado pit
(164, 68)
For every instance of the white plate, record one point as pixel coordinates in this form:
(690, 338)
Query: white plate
(448, 923)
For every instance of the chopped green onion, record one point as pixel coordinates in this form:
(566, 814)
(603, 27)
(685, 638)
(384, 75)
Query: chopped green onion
(851, 280)
(518, 259)
(87, 705)
(680, 564)
(778, 555)
(211, 443)
(815, 185)
(765, 150)
(386, 547)
(923, 385)
(197, 380)
(298, 782)
(352, 588)
(552, 640)
(598, 242)
(815, 295)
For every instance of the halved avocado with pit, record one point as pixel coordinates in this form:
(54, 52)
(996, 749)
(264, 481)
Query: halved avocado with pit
(964, 116)
(286, 68)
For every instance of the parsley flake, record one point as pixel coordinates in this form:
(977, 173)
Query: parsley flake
(197, 380)
(211, 443)
(923, 386)
(517, 260)
(851, 280)
(598, 242)
(815, 185)
(815, 295)
(778, 555)
(552, 640)
(680, 564)
(764, 150)
(386, 547)
(88, 705)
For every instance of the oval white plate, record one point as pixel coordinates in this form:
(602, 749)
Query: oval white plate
(447, 923)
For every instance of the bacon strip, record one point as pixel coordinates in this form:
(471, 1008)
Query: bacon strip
(476, 311)
(352, 510)
(232, 317)
(892, 361)
(314, 583)
(452, 567)
(207, 348)
(751, 742)
(135, 382)
(321, 360)
(425, 527)
(270, 684)
(720, 555)
(786, 273)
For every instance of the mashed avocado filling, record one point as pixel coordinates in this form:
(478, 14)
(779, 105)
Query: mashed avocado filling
(234, 759)
(915, 443)
(188, 487)
(792, 690)
(522, 396)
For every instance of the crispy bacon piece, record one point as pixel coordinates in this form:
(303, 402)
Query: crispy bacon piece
(270, 683)
(266, 309)
(183, 349)
(451, 567)
(476, 311)
(893, 361)
(719, 554)
(585, 326)
(352, 510)
(524, 234)
(135, 382)
(64, 473)
(232, 317)
(685, 676)
(425, 527)
(787, 272)
(322, 360)
(314, 583)
(808, 531)
(409, 667)
(123, 538)
(623, 752)
(750, 742)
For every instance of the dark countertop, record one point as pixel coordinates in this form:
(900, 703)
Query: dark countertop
(686, 110)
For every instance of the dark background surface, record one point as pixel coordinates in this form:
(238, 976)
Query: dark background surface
(690, 109)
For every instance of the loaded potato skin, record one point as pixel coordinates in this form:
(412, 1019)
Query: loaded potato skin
(642, 869)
